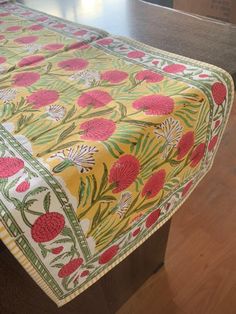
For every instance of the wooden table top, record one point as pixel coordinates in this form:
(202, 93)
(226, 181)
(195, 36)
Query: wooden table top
(192, 36)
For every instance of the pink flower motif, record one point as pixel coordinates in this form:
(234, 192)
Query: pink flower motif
(14, 28)
(124, 172)
(80, 32)
(114, 76)
(152, 218)
(70, 267)
(23, 186)
(185, 144)
(26, 39)
(84, 273)
(59, 25)
(78, 45)
(47, 227)
(35, 27)
(30, 61)
(217, 123)
(187, 188)
(105, 41)
(2, 59)
(212, 143)
(154, 184)
(135, 54)
(95, 98)
(154, 104)
(136, 232)
(57, 250)
(98, 129)
(155, 62)
(197, 155)
(53, 47)
(203, 75)
(174, 68)
(2, 37)
(74, 64)
(219, 92)
(107, 255)
(149, 76)
(9, 166)
(2, 22)
(3, 14)
(43, 97)
(25, 79)
(42, 19)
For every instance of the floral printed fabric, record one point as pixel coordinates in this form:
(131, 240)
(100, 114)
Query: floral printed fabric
(102, 139)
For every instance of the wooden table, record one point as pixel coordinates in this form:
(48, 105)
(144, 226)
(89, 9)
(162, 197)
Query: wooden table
(161, 28)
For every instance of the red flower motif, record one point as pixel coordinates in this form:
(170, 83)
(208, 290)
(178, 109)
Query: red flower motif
(47, 227)
(135, 54)
(70, 267)
(57, 250)
(35, 27)
(23, 186)
(95, 98)
(197, 155)
(3, 14)
(80, 32)
(74, 64)
(43, 97)
(26, 39)
(114, 76)
(30, 61)
(2, 37)
(152, 218)
(42, 19)
(25, 79)
(149, 76)
(2, 22)
(10, 166)
(98, 129)
(185, 144)
(154, 184)
(14, 28)
(203, 75)
(59, 25)
(136, 232)
(53, 47)
(174, 68)
(187, 188)
(2, 59)
(155, 62)
(124, 172)
(212, 143)
(105, 41)
(84, 273)
(219, 92)
(78, 45)
(217, 123)
(107, 255)
(155, 104)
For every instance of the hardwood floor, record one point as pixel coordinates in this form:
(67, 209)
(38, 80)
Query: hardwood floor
(199, 276)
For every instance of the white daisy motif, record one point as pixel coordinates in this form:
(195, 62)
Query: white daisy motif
(171, 131)
(82, 157)
(7, 94)
(32, 48)
(124, 204)
(56, 112)
(88, 78)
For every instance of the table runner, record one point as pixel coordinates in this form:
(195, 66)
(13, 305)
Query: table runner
(102, 139)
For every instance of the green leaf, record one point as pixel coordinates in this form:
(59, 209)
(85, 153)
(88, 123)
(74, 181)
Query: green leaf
(66, 132)
(47, 202)
(70, 113)
(81, 191)
(99, 113)
(69, 144)
(36, 191)
(104, 179)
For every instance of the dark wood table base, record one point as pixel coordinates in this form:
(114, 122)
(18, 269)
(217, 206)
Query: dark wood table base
(19, 293)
